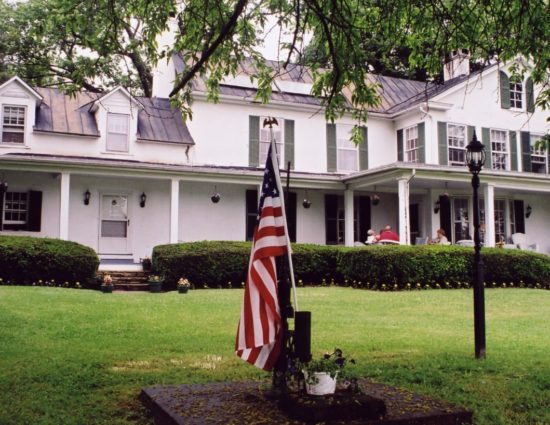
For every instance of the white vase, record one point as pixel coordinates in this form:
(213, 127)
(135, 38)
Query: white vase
(324, 383)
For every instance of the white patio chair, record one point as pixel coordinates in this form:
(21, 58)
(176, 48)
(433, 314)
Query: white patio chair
(421, 241)
(465, 242)
(520, 240)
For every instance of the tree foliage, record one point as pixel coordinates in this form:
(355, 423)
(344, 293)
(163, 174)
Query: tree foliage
(99, 44)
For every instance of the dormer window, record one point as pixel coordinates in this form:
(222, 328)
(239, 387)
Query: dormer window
(118, 126)
(516, 95)
(13, 124)
(411, 144)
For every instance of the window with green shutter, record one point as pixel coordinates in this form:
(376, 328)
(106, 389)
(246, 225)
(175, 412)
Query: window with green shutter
(526, 151)
(504, 90)
(331, 147)
(442, 142)
(400, 145)
(530, 95)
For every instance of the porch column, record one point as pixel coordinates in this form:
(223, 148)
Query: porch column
(404, 228)
(489, 199)
(64, 206)
(174, 210)
(348, 216)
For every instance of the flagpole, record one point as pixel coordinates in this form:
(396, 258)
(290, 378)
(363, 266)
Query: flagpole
(280, 188)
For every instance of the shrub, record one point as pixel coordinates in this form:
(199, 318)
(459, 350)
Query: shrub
(26, 260)
(215, 264)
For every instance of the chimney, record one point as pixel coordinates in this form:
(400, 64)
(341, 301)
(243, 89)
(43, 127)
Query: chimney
(457, 64)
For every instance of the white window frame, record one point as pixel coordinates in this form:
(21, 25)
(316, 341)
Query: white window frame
(410, 144)
(279, 133)
(456, 146)
(24, 210)
(344, 144)
(501, 224)
(495, 152)
(538, 156)
(14, 128)
(516, 96)
(109, 132)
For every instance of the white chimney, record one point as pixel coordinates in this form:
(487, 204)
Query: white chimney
(457, 64)
(164, 72)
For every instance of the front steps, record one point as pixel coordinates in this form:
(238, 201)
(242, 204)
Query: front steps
(129, 280)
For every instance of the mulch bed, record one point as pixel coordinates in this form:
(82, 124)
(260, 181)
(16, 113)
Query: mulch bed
(251, 403)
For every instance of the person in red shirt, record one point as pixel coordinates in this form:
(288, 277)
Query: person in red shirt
(388, 234)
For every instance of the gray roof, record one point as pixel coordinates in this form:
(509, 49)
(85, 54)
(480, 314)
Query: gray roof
(396, 94)
(61, 113)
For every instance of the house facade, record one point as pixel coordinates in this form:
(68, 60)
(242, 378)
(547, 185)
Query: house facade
(122, 174)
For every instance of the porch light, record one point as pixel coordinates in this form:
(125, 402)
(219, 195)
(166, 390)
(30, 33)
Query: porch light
(306, 203)
(216, 196)
(375, 199)
(142, 200)
(3, 187)
(475, 159)
(87, 196)
(528, 211)
(437, 206)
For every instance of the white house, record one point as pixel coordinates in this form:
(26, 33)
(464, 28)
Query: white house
(123, 174)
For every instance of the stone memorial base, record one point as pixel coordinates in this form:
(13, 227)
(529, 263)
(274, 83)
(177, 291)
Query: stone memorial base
(252, 403)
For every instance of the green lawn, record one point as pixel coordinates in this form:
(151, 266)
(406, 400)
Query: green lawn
(80, 357)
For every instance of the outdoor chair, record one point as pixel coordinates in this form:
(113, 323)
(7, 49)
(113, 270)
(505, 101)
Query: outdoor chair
(388, 242)
(421, 241)
(520, 240)
(466, 242)
(358, 243)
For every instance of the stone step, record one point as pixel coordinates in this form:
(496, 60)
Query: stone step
(131, 287)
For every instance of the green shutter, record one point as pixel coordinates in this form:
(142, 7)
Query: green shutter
(422, 142)
(504, 90)
(253, 141)
(486, 140)
(400, 145)
(526, 150)
(442, 143)
(331, 147)
(364, 150)
(530, 93)
(514, 150)
(470, 130)
(289, 143)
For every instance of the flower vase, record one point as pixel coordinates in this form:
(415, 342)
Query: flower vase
(155, 286)
(321, 383)
(183, 289)
(107, 289)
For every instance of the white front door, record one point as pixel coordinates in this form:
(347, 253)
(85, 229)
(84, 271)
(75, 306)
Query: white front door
(114, 225)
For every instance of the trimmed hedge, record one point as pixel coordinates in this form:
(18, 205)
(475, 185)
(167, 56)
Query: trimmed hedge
(224, 264)
(27, 260)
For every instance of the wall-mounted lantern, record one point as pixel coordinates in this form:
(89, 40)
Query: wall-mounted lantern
(142, 200)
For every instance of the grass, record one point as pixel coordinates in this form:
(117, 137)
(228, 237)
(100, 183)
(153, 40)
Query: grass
(74, 356)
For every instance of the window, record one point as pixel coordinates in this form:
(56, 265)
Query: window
(516, 93)
(347, 154)
(499, 149)
(456, 135)
(538, 156)
(411, 144)
(461, 220)
(13, 124)
(16, 207)
(265, 140)
(118, 126)
(512, 217)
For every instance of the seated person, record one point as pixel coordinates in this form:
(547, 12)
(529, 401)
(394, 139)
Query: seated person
(388, 234)
(440, 239)
(371, 237)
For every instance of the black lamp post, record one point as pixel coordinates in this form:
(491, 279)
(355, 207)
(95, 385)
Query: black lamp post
(475, 159)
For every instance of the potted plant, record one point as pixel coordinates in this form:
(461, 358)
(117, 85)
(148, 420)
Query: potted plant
(107, 284)
(155, 283)
(146, 264)
(321, 375)
(183, 285)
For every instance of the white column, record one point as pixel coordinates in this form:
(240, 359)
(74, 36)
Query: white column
(174, 210)
(348, 215)
(403, 193)
(64, 206)
(489, 199)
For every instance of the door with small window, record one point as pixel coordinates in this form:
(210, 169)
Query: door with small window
(114, 235)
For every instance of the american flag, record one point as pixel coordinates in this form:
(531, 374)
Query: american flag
(259, 335)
